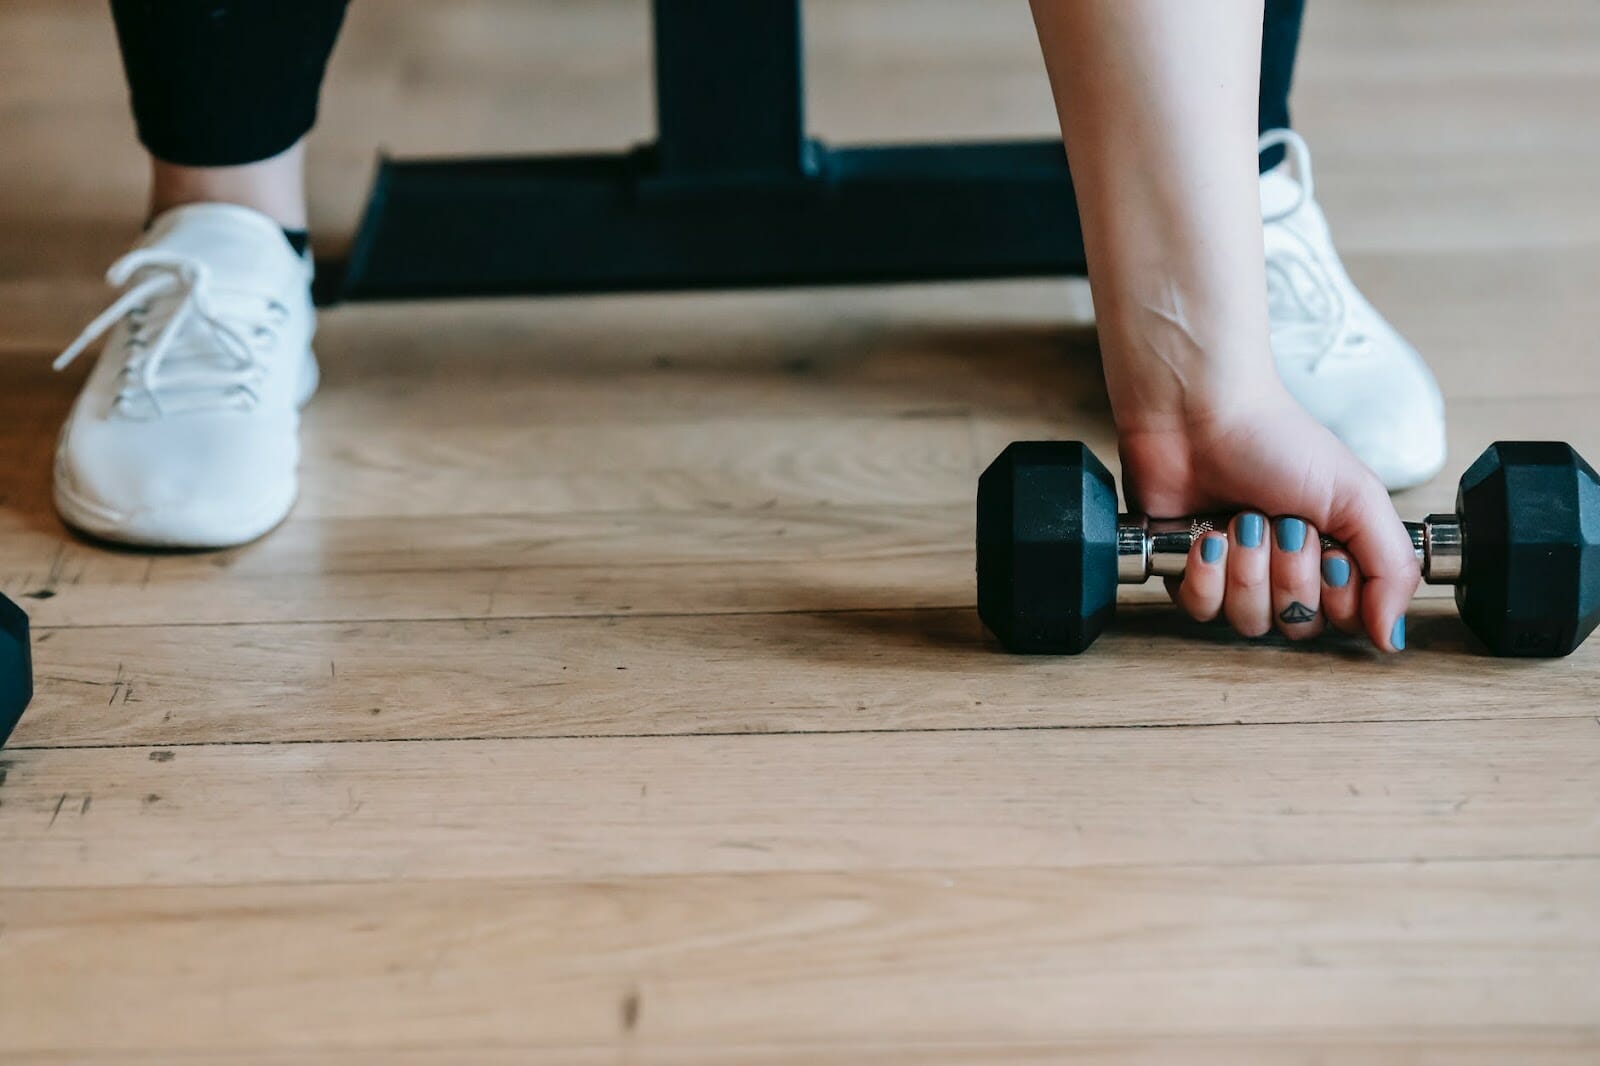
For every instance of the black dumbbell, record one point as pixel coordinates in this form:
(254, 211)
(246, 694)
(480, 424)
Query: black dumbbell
(1522, 549)
(16, 667)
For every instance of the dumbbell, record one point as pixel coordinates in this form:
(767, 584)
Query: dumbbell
(1522, 549)
(16, 667)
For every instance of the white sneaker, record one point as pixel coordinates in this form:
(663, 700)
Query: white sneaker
(186, 432)
(1344, 363)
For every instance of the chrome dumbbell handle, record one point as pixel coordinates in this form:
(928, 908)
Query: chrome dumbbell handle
(1159, 547)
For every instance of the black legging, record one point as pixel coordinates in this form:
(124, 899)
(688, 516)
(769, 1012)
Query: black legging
(226, 82)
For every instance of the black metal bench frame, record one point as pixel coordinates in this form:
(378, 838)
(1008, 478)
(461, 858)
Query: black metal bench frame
(732, 194)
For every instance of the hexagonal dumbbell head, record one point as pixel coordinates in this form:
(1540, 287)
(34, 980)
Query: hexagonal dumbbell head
(1047, 547)
(16, 668)
(1530, 515)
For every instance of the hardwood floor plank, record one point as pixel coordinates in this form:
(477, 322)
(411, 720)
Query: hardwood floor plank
(1455, 1046)
(761, 673)
(805, 961)
(515, 566)
(592, 808)
(690, 550)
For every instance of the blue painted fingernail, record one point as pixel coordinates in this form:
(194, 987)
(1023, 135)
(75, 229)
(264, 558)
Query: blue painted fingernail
(1251, 529)
(1336, 572)
(1397, 635)
(1291, 534)
(1211, 549)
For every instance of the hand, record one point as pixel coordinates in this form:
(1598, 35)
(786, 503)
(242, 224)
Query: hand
(1268, 459)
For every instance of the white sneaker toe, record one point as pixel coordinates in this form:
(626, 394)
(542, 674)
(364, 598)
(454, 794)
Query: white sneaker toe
(230, 481)
(186, 432)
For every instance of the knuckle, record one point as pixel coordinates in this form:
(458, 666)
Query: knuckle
(1247, 580)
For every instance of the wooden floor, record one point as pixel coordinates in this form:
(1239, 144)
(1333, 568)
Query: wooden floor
(615, 694)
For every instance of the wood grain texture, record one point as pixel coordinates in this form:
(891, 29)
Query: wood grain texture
(654, 521)
(615, 694)
(591, 808)
(1457, 1046)
(679, 674)
(806, 959)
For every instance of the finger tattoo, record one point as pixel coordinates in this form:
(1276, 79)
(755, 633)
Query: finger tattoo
(1297, 613)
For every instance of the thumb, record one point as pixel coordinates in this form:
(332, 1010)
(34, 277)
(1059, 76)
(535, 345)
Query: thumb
(1364, 520)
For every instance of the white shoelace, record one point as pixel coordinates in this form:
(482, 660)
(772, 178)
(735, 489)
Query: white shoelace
(168, 370)
(1311, 317)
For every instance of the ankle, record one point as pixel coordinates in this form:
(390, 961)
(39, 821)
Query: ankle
(275, 187)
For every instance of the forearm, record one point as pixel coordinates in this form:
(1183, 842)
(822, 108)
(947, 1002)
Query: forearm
(1158, 103)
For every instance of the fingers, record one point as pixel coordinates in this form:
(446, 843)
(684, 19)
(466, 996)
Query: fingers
(1247, 597)
(1205, 577)
(1263, 575)
(1341, 591)
(1366, 523)
(1296, 578)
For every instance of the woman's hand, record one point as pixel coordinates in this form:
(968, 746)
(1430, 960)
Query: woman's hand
(1291, 481)
(1159, 106)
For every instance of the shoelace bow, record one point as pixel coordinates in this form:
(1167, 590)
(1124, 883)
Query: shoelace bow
(1311, 315)
(170, 291)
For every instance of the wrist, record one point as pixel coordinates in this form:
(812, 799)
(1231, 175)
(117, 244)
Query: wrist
(1174, 356)
(1174, 399)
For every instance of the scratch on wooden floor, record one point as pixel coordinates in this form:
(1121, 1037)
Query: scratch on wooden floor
(71, 680)
(51, 579)
(353, 805)
(494, 593)
(631, 1004)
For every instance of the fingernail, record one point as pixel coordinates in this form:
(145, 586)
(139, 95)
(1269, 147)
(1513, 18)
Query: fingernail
(1291, 534)
(1336, 571)
(1251, 529)
(1397, 635)
(1211, 549)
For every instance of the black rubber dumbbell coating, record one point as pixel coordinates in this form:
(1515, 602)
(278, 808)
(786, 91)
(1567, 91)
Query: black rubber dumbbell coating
(16, 667)
(1047, 547)
(1531, 515)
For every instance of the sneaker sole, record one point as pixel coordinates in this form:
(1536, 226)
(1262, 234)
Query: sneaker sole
(149, 531)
